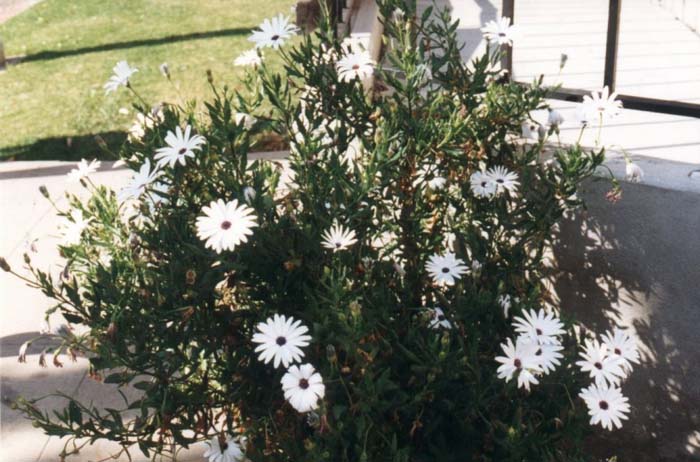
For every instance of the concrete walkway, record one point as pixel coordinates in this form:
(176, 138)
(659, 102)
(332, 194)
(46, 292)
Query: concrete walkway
(28, 217)
(11, 8)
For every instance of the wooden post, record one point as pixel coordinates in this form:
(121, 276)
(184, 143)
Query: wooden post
(2, 55)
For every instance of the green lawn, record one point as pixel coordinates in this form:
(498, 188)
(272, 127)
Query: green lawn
(52, 103)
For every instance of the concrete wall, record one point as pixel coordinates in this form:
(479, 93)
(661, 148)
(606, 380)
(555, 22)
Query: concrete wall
(637, 263)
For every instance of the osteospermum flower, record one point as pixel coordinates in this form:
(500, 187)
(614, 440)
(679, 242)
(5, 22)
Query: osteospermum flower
(548, 356)
(623, 346)
(120, 77)
(520, 359)
(438, 319)
(224, 451)
(506, 302)
(445, 269)
(599, 106)
(356, 64)
(600, 365)
(431, 177)
(338, 238)
(139, 181)
(273, 32)
(539, 326)
(73, 227)
(225, 225)
(248, 58)
(482, 185)
(83, 170)
(607, 405)
(499, 31)
(180, 146)
(303, 387)
(280, 340)
(633, 172)
(503, 179)
(246, 120)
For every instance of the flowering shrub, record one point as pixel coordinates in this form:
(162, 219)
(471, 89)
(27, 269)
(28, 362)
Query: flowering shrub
(384, 302)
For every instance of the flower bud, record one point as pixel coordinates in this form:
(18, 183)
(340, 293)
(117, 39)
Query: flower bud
(44, 192)
(4, 265)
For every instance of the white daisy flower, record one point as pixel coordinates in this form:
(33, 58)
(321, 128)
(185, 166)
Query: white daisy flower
(530, 130)
(600, 365)
(303, 387)
(180, 146)
(503, 179)
(143, 122)
(506, 302)
(599, 106)
(354, 64)
(120, 77)
(273, 32)
(481, 185)
(139, 181)
(22, 354)
(476, 266)
(249, 194)
(623, 346)
(500, 31)
(224, 451)
(633, 172)
(445, 269)
(555, 118)
(438, 319)
(520, 359)
(338, 238)
(225, 225)
(83, 170)
(246, 120)
(606, 405)
(541, 327)
(280, 340)
(248, 58)
(548, 356)
(72, 227)
(429, 175)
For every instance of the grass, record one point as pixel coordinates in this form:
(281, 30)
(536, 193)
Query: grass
(53, 103)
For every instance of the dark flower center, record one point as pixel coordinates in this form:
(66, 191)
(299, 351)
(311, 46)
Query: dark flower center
(484, 183)
(445, 270)
(499, 180)
(355, 67)
(539, 352)
(182, 151)
(275, 37)
(517, 364)
(617, 351)
(598, 366)
(539, 331)
(303, 384)
(604, 405)
(225, 225)
(281, 341)
(501, 34)
(338, 244)
(441, 317)
(224, 447)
